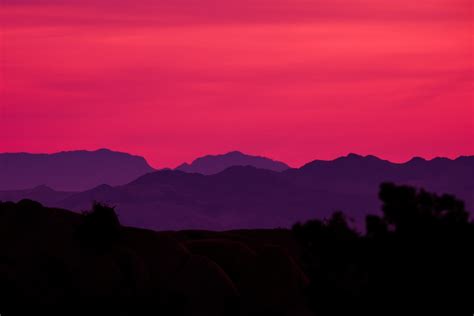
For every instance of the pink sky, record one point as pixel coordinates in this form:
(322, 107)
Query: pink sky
(294, 80)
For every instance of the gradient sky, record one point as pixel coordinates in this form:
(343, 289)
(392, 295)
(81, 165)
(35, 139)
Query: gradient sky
(294, 80)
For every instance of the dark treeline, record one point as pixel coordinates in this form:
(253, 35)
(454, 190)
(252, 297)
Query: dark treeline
(414, 259)
(417, 257)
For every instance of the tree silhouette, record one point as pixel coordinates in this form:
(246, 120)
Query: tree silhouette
(375, 226)
(410, 210)
(416, 255)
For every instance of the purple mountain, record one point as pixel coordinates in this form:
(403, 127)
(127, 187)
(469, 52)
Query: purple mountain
(69, 171)
(213, 164)
(247, 197)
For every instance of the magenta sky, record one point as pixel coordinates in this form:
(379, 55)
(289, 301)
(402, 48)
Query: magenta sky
(291, 79)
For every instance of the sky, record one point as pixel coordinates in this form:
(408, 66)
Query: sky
(294, 80)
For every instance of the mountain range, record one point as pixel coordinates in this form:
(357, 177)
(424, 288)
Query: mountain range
(70, 170)
(249, 197)
(212, 164)
(81, 170)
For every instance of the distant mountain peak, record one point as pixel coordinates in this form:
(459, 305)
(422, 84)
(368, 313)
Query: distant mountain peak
(235, 152)
(348, 160)
(103, 187)
(42, 188)
(69, 170)
(417, 160)
(354, 156)
(212, 164)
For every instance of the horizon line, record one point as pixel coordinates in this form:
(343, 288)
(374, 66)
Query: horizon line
(243, 153)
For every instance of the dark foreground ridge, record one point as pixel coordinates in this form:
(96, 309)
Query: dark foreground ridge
(415, 257)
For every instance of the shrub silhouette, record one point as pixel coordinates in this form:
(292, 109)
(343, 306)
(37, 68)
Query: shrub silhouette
(100, 227)
(329, 256)
(335, 226)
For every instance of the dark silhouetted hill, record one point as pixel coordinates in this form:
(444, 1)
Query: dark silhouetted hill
(213, 164)
(248, 197)
(69, 171)
(61, 263)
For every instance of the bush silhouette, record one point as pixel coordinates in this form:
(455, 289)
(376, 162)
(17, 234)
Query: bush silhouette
(100, 227)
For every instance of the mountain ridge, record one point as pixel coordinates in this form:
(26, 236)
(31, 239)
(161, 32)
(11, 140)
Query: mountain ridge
(213, 164)
(70, 170)
(248, 197)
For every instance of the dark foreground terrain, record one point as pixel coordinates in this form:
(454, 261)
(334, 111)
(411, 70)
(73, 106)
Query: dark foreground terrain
(417, 258)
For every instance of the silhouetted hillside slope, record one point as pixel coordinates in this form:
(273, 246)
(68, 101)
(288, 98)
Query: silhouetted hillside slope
(63, 263)
(247, 197)
(69, 171)
(213, 164)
